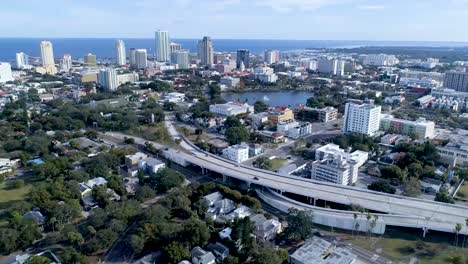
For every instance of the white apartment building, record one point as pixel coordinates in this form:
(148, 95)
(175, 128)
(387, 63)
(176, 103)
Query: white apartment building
(121, 52)
(265, 74)
(175, 47)
(5, 72)
(422, 128)
(47, 54)
(294, 129)
(421, 79)
(330, 66)
(358, 156)
(334, 169)
(231, 108)
(238, 153)
(181, 58)
(162, 47)
(141, 58)
(311, 65)
(66, 63)
(22, 61)
(108, 79)
(127, 77)
(271, 56)
(363, 119)
(230, 82)
(380, 60)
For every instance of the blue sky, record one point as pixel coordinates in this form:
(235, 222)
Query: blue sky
(399, 20)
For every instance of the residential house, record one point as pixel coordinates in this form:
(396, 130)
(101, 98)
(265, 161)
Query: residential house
(266, 229)
(151, 165)
(219, 250)
(200, 256)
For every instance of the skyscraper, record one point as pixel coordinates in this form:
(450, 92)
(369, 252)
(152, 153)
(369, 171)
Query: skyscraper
(457, 81)
(5, 72)
(90, 60)
(108, 79)
(141, 58)
(243, 56)
(175, 47)
(363, 119)
(205, 51)
(162, 49)
(131, 57)
(181, 58)
(121, 55)
(271, 56)
(47, 53)
(66, 63)
(22, 60)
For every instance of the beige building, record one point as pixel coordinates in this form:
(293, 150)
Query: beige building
(90, 60)
(280, 114)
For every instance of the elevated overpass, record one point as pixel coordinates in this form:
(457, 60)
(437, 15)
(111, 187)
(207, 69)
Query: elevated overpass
(410, 212)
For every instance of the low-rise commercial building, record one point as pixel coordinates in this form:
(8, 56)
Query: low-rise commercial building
(280, 114)
(238, 153)
(421, 127)
(294, 129)
(310, 114)
(230, 82)
(231, 108)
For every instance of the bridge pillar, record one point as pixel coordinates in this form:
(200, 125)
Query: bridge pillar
(425, 230)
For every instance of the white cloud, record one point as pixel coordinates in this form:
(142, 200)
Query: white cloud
(289, 5)
(371, 7)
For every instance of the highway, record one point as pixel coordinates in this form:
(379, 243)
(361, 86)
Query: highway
(413, 212)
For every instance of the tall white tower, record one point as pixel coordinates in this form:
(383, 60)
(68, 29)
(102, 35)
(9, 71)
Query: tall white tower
(141, 58)
(108, 79)
(205, 51)
(22, 60)
(121, 55)
(66, 63)
(47, 53)
(162, 48)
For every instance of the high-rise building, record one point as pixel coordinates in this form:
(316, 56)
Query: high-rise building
(90, 60)
(5, 72)
(66, 63)
(331, 66)
(181, 58)
(380, 60)
(205, 51)
(47, 54)
(121, 53)
(131, 57)
(141, 58)
(335, 169)
(162, 48)
(107, 78)
(175, 47)
(243, 56)
(457, 81)
(22, 60)
(363, 119)
(271, 56)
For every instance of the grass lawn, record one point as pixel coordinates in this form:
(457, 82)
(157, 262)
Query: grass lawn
(277, 164)
(462, 193)
(8, 195)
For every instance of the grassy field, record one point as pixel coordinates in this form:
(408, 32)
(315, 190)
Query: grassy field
(462, 193)
(8, 195)
(277, 164)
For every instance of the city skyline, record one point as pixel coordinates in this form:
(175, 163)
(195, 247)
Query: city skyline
(298, 19)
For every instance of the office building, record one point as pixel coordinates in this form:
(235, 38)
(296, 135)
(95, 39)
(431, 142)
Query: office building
(47, 54)
(280, 114)
(421, 79)
(141, 58)
(132, 57)
(162, 48)
(238, 153)
(66, 63)
(335, 169)
(330, 66)
(121, 52)
(127, 78)
(205, 51)
(320, 251)
(271, 56)
(294, 129)
(380, 60)
(107, 78)
(310, 114)
(181, 58)
(5, 72)
(363, 119)
(231, 108)
(22, 61)
(265, 74)
(421, 128)
(358, 156)
(90, 60)
(457, 81)
(229, 82)
(243, 57)
(175, 47)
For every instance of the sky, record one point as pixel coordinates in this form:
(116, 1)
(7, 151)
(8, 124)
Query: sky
(397, 20)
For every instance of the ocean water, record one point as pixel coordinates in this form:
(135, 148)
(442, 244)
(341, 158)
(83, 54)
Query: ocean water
(105, 47)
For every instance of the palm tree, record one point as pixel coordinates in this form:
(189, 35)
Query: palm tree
(354, 223)
(458, 228)
(466, 232)
(369, 217)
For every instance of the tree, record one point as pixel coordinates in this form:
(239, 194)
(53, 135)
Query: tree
(458, 228)
(415, 170)
(137, 243)
(236, 135)
(75, 238)
(393, 172)
(18, 184)
(128, 140)
(260, 106)
(444, 197)
(231, 260)
(283, 254)
(263, 163)
(381, 186)
(266, 256)
(232, 121)
(300, 224)
(175, 252)
(70, 255)
(412, 187)
(195, 232)
(241, 230)
(37, 260)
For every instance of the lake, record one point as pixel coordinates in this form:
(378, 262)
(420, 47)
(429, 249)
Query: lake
(280, 98)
